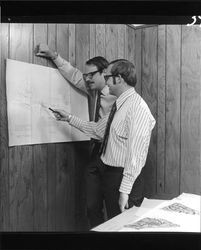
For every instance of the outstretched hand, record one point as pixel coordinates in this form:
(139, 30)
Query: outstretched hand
(60, 115)
(44, 51)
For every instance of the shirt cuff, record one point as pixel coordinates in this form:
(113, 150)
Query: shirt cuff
(59, 61)
(126, 185)
(76, 122)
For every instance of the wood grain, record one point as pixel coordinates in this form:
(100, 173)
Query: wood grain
(82, 55)
(161, 109)
(81, 148)
(72, 44)
(40, 152)
(65, 187)
(20, 157)
(131, 44)
(42, 187)
(173, 108)
(190, 110)
(121, 30)
(92, 52)
(65, 184)
(92, 38)
(100, 40)
(51, 148)
(149, 94)
(111, 42)
(138, 59)
(4, 164)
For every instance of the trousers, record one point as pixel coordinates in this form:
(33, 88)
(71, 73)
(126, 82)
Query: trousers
(103, 184)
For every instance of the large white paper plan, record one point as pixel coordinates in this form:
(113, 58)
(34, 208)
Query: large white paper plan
(181, 214)
(31, 90)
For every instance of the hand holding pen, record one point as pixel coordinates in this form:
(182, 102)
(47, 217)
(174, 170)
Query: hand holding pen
(61, 115)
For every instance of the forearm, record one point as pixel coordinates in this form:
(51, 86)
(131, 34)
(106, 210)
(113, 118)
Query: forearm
(70, 73)
(91, 129)
(129, 178)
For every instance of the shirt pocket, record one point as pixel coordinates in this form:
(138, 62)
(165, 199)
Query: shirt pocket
(120, 130)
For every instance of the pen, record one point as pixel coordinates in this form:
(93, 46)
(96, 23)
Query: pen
(55, 111)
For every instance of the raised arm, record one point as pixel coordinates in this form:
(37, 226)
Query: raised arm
(70, 73)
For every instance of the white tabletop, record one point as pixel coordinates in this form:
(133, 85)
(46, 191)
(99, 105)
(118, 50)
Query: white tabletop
(126, 217)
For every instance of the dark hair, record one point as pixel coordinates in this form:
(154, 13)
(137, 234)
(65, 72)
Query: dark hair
(126, 69)
(100, 62)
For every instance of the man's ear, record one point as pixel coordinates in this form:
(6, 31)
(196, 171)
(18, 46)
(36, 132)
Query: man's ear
(119, 79)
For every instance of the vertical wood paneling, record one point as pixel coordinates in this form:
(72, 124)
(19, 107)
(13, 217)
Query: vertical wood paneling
(72, 59)
(135, 55)
(172, 160)
(149, 94)
(121, 30)
(82, 41)
(4, 167)
(190, 110)
(100, 40)
(51, 41)
(65, 179)
(126, 42)
(111, 42)
(131, 45)
(92, 38)
(82, 55)
(72, 44)
(51, 149)
(65, 187)
(40, 155)
(138, 59)
(161, 109)
(42, 187)
(92, 51)
(20, 158)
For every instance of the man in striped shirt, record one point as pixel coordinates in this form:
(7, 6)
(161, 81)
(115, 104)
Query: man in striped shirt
(126, 148)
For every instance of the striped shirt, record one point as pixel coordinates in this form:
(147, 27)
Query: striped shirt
(74, 76)
(129, 136)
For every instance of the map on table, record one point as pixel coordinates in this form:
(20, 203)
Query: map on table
(180, 214)
(180, 208)
(151, 223)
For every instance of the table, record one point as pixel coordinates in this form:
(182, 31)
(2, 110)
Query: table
(180, 214)
(129, 215)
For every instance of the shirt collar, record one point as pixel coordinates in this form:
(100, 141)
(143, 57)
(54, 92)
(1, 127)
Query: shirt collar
(122, 98)
(105, 90)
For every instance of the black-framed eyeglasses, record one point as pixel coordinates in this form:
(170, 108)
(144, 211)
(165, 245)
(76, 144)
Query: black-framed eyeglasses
(90, 74)
(106, 77)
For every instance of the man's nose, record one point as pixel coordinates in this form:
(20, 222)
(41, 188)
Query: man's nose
(88, 79)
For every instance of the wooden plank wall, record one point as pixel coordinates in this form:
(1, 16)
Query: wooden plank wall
(170, 78)
(42, 187)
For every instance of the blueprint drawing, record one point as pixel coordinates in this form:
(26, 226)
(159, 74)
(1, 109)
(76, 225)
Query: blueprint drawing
(31, 90)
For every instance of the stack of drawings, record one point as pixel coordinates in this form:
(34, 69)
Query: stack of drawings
(181, 214)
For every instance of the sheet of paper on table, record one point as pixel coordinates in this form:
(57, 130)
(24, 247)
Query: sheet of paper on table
(128, 216)
(181, 214)
(31, 90)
